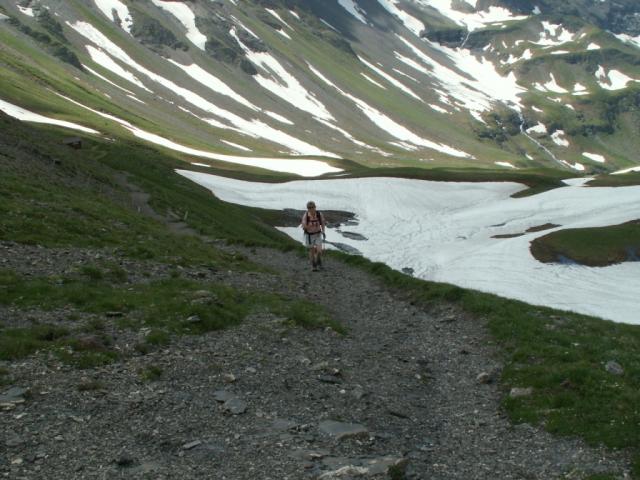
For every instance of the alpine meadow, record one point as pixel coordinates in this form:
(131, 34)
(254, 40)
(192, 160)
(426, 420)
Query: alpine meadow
(473, 173)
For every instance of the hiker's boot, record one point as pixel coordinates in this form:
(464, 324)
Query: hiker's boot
(314, 265)
(319, 262)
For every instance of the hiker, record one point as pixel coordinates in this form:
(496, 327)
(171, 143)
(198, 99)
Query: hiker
(314, 234)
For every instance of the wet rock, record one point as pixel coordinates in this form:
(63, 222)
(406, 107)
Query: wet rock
(484, 378)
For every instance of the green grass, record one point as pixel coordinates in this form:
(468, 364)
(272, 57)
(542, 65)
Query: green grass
(595, 247)
(78, 201)
(537, 180)
(622, 180)
(561, 355)
(151, 373)
(302, 313)
(173, 305)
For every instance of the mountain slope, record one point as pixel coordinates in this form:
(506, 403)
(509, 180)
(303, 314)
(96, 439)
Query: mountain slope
(381, 82)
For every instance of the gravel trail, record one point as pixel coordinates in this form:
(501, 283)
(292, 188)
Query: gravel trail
(265, 400)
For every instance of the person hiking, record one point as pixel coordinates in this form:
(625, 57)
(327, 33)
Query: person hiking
(314, 233)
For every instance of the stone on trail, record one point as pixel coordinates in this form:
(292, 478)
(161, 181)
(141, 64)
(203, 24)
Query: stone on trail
(341, 431)
(235, 406)
(360, 467)
(223, 395)
(614, 368)
(12, 397)
(518, 392)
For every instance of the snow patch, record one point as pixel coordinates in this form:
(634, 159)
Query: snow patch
(505, 164)
(352, 7)
(594, 156)
(278, 17)
(389, 125)
(373, 81)
(235, 145)
(282, 83)
(446, 231)
(111, 8)
(627, 170)
(390, 79)
(187, 18)
(558, 140)
(28, 116)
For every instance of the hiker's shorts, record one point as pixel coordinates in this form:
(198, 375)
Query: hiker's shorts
(311, 239)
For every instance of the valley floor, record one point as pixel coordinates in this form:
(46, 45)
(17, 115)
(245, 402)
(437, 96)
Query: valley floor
(257, 401)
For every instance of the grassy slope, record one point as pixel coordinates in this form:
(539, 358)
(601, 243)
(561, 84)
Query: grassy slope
(561, 355)
(54, 196)
(78, 203)
(595, 247)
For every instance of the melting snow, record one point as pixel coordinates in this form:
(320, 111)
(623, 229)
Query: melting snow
(185, 15)
(472, 21)
(577, 182)
(505, 164)
(539, 128)
(26, 11)
(107, 80)
(438, 108)
(593, 46)
(594, 156)
(477, 93)
(617, 80)
(390, 126)
(253, 127)
(109, 6)
(412, 23)
(279, 118)
(553, 86)
(27, 116)
(277, 16)
(235, 145)
(214, 83)
(445, 230)
(635, 41)
(302, 167)
(556, 137)
(105, 61)
(553, 35)
(627, 170)
(579, 89)
(283, 84)
(373, 81)
(390, 79)
(351, 7)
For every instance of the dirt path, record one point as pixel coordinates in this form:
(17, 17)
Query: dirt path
(265, 400)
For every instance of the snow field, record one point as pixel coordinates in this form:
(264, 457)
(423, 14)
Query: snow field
(444, 232)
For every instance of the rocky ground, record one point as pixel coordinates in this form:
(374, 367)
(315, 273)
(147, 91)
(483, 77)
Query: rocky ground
(406, 393)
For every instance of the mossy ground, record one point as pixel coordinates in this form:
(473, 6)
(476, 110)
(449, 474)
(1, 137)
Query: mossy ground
(595, 247)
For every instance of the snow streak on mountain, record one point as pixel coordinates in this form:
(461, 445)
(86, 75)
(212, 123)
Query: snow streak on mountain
(270, 83)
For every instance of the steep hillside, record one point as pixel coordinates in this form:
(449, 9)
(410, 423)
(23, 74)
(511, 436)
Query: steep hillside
(146, 332)
(421, 83)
